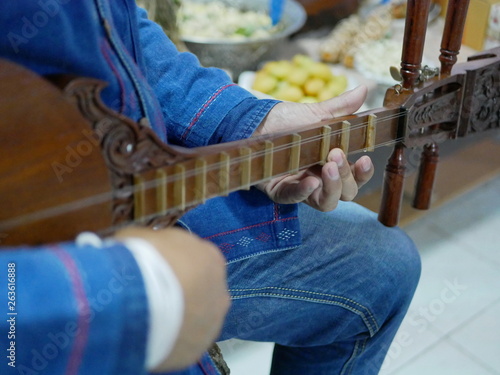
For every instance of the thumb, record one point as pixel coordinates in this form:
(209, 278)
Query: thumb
(285, 115)
(342, 105)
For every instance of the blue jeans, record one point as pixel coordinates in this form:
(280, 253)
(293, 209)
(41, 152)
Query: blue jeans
(332, 305)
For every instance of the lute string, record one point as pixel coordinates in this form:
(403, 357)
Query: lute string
(260, 153)
(151, 184)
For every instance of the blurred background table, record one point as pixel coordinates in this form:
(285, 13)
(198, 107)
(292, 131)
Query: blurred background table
(464, 163)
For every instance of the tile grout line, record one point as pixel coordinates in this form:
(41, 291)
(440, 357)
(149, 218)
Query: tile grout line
(447, 236)
(447, 337)
(465, 246)
(467, 321)
(470, 355)
(416, 356)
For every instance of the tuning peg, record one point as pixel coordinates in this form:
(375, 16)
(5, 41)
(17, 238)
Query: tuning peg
(396, 74)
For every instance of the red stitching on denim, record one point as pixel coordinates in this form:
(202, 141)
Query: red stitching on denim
(276, 212)
(83, 307)
(263, 237)
(226, 247)
(118, 76)
(207, 371)
(205, 106)
(249, 227)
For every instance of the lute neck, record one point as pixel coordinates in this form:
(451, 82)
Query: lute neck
(218, 170)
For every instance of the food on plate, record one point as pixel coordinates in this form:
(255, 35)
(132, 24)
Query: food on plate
(265, 82)
(298, 76)
(398, 9)
(313, 86)
(338, 42)
(375, 60)
(216, 20)
(341, 44)
(299, 80)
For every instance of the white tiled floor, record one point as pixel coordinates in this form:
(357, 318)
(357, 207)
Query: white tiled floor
(453, 325)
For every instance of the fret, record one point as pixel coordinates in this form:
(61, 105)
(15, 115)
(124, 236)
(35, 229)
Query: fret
(201, 180)
(295, 154)
(225, 164)
(370, 133)
(167, 187)
(345, 137)
(268, 159)
(161, 191)
(180, 187)
(326, 134)
(246, 167)
(139, 198)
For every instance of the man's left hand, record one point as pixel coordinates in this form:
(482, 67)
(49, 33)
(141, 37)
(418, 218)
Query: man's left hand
(319, 186)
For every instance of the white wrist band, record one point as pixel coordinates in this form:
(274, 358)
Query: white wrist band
(163, 291)
(165, 297)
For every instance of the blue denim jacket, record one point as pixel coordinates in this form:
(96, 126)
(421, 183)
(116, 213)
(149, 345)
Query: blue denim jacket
(186, 104)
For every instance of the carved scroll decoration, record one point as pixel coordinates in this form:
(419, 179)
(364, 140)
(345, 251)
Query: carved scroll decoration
(485, 106)
(435, 111)
(128, 148)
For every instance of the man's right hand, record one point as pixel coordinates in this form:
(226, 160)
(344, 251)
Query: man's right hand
(201, 271)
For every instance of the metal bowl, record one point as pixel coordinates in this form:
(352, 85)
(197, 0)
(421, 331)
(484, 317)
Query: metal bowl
(237, 56)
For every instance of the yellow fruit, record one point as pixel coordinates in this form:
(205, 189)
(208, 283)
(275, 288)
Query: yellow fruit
(308, 99)
(297, 76)
(300, 80)
(321, 70)
(313, 86)
(338, 84)
(302, 60)
(281, 69)
(264, 82)
(269, 66)
(325, 94)
(289, 93)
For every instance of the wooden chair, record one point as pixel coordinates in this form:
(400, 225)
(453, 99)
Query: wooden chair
(413, 46)
(411, 71)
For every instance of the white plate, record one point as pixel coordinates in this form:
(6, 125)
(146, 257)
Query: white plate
(354, 79)
(374, 60)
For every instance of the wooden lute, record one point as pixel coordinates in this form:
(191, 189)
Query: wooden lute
(69, 164)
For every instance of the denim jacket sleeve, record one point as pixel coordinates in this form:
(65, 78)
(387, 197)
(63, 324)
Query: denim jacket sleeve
(200, 105)
(73, 310)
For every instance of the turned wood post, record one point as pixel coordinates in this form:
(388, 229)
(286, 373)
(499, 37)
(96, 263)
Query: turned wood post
(452, 35)
(413, 49)
(450, 48)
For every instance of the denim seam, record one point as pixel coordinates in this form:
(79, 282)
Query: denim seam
(260, 253)
(369, 313)
(249, 227)
(325, 301)
(204, 107)
(104, 48)
(253, 125)
(121, 53)
(349, 366)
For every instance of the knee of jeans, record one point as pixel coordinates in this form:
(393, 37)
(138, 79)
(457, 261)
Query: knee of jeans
(402, 262)
(407, 254)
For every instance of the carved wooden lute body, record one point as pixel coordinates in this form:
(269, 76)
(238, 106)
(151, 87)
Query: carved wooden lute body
(70, 164)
